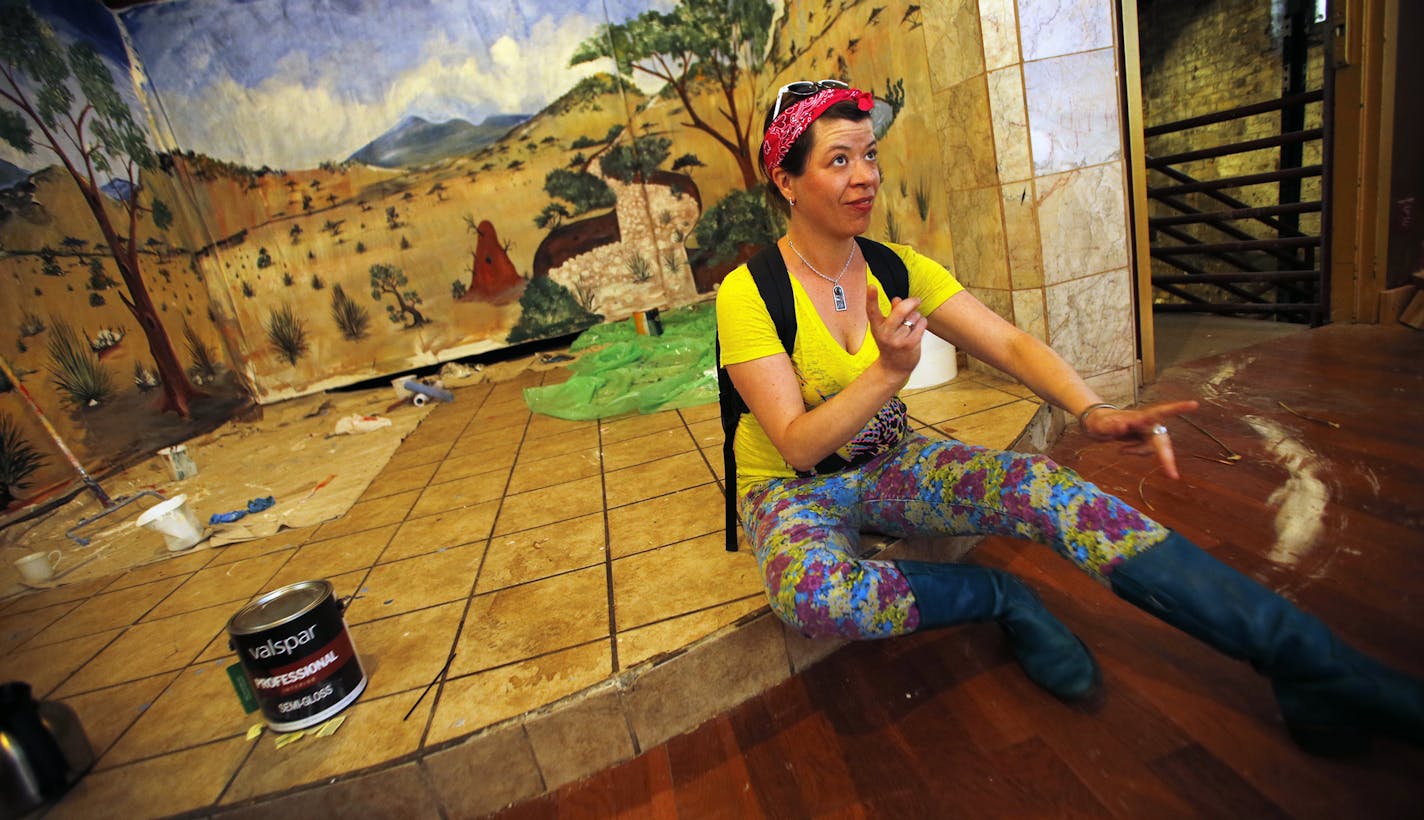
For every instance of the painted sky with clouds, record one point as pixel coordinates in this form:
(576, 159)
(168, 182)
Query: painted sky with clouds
(290, 83)
(293, 83)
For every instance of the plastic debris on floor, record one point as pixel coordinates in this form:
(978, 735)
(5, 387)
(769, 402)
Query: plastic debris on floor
(628, 371)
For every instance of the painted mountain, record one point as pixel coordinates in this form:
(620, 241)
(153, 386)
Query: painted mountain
(419, 142)
(11, 174)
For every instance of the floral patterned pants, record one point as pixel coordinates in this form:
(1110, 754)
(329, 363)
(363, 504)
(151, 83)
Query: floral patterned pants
(806, 531)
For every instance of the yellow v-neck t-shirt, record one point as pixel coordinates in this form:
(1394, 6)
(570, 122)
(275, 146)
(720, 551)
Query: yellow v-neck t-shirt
(823, 367)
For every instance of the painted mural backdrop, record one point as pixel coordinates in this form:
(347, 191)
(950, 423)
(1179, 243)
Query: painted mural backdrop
(273, 197)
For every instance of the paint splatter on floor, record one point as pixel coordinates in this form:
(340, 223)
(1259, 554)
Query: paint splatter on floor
(1300, 501)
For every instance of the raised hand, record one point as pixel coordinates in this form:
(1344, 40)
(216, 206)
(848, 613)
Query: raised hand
(897, 334)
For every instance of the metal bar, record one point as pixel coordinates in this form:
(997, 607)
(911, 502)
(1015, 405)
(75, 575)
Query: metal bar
(1268, 307)
(1209, 218)
(1235, 213)
(1236, 148)
(1248, 245)
(1228, 201)
(1230, 182)
(1181, 294)
(1235, 113)
(1258, 276)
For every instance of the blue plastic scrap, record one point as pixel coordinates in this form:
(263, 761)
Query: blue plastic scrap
(255, 505)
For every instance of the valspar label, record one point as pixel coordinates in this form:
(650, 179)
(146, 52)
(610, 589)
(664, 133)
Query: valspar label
(297, 654)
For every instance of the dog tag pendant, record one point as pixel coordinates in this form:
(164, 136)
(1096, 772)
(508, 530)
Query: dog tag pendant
(838, 294)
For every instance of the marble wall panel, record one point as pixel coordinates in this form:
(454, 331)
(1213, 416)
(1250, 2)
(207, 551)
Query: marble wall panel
(1029, 312)
(980, 250)
(1011, 136)
(1021, 231)
(1090, 322)
(1082, 222)
(999, 23)
(1073, 111)
(966, 135)
(1116, 386)
(952, 37)
(1050, 28)
(998, 300)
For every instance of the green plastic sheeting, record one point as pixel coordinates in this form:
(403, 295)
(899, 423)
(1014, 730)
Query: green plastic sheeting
(629, 371)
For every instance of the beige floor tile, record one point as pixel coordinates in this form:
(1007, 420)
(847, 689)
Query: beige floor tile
(461, 492)
(707, 433)
(107, 611)
(1006, 385)
(638, 645)
(16, 629)
(453, 528)
(473, 460)
(475, 701)
(954, 400)
(390, 482)
(416, 583)
(665, 520)
(46, 667)
(630, 452)
(334, 556)
(281, 540)
(237, 582)
(413, 456)
(150, 648)
(666, 475)
(633, 426)
(373, 732)
(701, 412)
(509, 417)
(541, 552)
(546, 472)
(995, 428)
(107, 713)
(170, 784)
(685, 577)
(407, 651)
(521, 622)
(560, 444)
(366, 515)
(545, 506)
(166, 567)
(200, 706)
(59, 595)
(541, 426)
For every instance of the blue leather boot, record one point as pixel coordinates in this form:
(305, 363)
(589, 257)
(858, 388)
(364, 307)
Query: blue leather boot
(1051, 655)
(1331, 696)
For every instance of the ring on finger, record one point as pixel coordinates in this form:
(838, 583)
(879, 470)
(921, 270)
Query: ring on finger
(1159, 429)
(908, 323)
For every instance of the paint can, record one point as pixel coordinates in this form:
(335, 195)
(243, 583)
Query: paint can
(179, 462)
(648, 322)
(297, 655)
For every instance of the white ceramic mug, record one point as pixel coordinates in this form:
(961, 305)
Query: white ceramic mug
(38, 567)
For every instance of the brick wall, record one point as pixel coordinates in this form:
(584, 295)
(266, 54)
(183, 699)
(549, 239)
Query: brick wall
(1204, 56)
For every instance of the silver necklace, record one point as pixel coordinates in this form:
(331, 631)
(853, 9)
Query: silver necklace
(837, 292)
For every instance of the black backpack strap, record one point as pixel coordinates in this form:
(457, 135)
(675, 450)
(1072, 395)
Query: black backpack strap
(887, 266)
(773, 282)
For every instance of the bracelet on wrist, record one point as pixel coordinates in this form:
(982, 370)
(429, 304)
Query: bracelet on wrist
(1102, 405)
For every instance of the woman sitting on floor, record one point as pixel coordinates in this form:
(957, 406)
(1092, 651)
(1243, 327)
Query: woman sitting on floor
(834, 400)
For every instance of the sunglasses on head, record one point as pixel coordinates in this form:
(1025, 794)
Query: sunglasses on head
(803, 88)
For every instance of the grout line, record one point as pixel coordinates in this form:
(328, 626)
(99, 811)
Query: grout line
(607, 556)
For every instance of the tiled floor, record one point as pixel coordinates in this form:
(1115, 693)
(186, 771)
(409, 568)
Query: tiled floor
(548, 556)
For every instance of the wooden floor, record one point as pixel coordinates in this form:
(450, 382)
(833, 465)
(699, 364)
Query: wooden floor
(943, 724)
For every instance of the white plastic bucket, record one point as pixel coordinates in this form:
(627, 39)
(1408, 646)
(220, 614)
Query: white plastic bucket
(937, 363)
(177, 523)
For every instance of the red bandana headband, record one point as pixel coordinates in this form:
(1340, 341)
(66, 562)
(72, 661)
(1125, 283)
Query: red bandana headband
(792, 122)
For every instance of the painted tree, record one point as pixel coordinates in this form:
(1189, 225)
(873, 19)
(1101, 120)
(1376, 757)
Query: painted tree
(94, 136)
(699, 46)
(388, 279)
